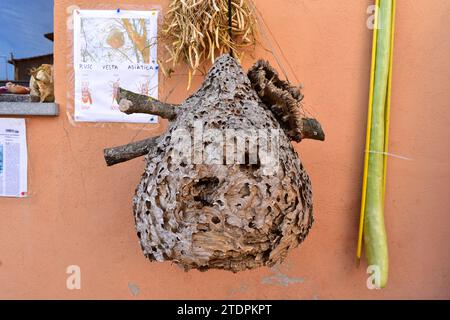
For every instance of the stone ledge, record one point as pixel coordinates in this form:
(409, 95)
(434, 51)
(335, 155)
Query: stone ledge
(28, 109)
(10, 97)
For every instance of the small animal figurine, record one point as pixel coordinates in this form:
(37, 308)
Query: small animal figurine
(41, 83)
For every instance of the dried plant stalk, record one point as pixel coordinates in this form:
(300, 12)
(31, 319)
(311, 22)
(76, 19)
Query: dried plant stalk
(196, 30)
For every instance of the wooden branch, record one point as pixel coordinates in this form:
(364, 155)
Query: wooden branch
(129, 151)
(311, 129)
(131, 102)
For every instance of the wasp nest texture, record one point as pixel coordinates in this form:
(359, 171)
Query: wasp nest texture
(223, 187)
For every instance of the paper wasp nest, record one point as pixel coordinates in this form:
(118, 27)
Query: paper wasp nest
(203, 211)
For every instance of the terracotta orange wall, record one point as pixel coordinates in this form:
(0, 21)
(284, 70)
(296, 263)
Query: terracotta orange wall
(79, 211)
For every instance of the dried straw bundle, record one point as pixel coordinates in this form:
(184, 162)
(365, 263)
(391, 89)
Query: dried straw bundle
(196, 29)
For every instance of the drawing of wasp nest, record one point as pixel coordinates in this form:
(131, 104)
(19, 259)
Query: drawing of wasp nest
(109, 40)
(115, 38)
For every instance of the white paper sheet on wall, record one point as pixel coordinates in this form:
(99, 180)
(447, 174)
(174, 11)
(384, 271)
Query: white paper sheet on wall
(13, 158)
(113, 49)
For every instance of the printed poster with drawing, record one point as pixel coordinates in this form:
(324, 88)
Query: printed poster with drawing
(113, 48)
